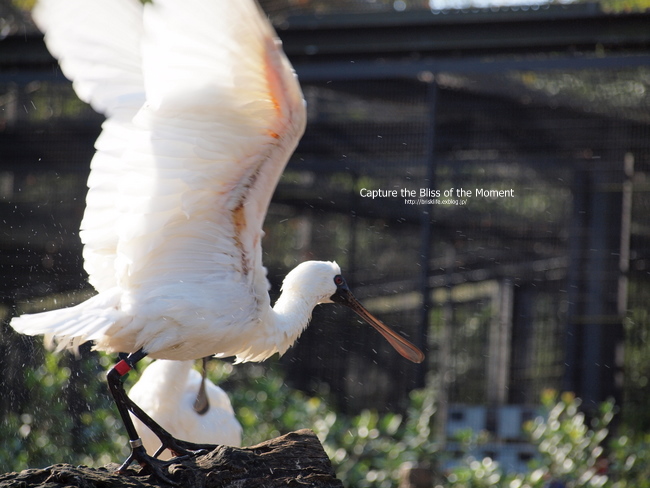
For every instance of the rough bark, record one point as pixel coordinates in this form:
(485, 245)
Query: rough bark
(296, 459)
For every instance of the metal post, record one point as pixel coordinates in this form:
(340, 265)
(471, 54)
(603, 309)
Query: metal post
(597, 283)
(425, 226)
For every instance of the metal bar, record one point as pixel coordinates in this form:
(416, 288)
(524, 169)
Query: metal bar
(395, 69)
(545, 28)
(425, 227)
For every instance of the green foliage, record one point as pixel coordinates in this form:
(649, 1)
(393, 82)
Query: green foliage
(572, 452)
(44, 431)
(636, 394)
(265, 406)
(473, 473)
(619, 6)
(569, 450)
(370, 449)
(630, 462)
(367, 450)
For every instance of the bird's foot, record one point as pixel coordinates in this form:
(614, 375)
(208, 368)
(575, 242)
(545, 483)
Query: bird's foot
(182, 448)
(150, 465)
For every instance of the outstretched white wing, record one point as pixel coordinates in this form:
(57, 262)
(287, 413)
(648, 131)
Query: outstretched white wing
(98, 43)
(183, 176)
(224, 112)
(193, 176)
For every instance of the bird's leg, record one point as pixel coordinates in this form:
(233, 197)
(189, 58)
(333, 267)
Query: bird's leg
(176, 446)
(124, 404)
(201, 404)
(115, 378)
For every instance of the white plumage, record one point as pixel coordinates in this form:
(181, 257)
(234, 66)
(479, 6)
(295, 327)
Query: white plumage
(203, 112)
(167, 391)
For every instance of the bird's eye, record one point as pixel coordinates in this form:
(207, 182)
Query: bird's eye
(338, 280)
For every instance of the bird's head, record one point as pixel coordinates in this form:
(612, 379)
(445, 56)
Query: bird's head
(313, 280)
(322, 282)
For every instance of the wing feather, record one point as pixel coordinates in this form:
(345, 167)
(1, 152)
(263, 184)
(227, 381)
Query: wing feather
(97, 43)
(204, 111)
(224, 112)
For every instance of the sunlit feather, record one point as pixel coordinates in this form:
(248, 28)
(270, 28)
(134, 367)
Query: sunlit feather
(203, 112)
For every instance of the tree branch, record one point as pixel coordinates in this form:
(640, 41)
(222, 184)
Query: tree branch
(296, 459)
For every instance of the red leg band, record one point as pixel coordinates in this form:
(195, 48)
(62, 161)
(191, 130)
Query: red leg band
(122, 367)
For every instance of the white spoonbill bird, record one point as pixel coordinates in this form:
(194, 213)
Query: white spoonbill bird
(186, 404)
(203, 111)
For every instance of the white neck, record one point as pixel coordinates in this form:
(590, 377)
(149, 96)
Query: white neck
(290, 316)
(304, 287)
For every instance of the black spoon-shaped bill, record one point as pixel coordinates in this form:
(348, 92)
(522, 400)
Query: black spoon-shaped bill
(345, 297)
